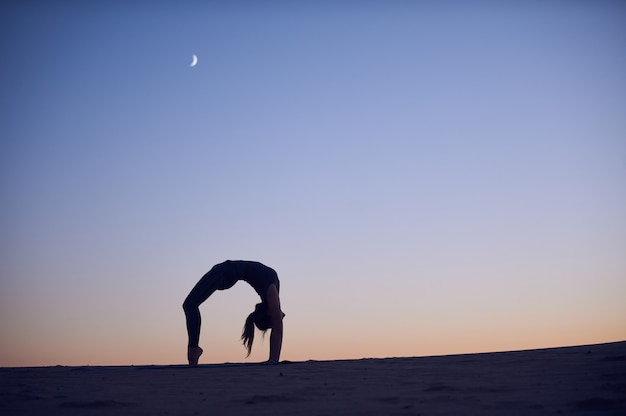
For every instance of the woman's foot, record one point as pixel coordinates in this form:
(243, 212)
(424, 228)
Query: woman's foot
(193, 355)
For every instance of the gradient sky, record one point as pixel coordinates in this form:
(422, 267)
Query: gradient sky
(426, 177)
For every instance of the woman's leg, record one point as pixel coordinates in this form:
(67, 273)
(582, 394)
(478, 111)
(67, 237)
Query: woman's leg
(209, 283)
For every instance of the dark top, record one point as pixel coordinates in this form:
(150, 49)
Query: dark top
(256, 274)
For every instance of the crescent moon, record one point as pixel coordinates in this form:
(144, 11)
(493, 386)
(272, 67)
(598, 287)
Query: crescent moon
(194, 60)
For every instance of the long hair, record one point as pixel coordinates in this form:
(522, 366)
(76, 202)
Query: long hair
(258, 318)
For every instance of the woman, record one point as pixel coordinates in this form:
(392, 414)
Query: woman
(267, 314)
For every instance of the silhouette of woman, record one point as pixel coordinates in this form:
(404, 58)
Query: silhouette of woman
(266, 315)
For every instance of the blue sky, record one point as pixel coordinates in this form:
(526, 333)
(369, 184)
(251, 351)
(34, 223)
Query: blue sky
(426, 178)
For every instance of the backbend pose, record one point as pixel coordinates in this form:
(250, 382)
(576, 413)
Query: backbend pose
(267, 314)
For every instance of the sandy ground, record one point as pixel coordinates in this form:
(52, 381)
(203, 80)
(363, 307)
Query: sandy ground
(583, 380)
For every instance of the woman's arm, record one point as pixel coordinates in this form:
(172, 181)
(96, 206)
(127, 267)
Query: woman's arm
(276, 317)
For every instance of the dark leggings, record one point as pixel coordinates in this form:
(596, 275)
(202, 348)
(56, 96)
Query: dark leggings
(220, 277)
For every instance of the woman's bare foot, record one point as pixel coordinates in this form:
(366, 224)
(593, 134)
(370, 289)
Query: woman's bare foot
(193, 355)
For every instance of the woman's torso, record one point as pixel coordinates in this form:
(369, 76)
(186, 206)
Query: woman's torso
(256, 274)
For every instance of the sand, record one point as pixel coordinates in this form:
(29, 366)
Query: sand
(582, 380)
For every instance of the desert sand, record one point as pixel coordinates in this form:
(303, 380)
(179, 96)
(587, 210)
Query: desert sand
(581, 380)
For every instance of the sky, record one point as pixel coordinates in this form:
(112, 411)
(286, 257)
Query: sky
(427, 178)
